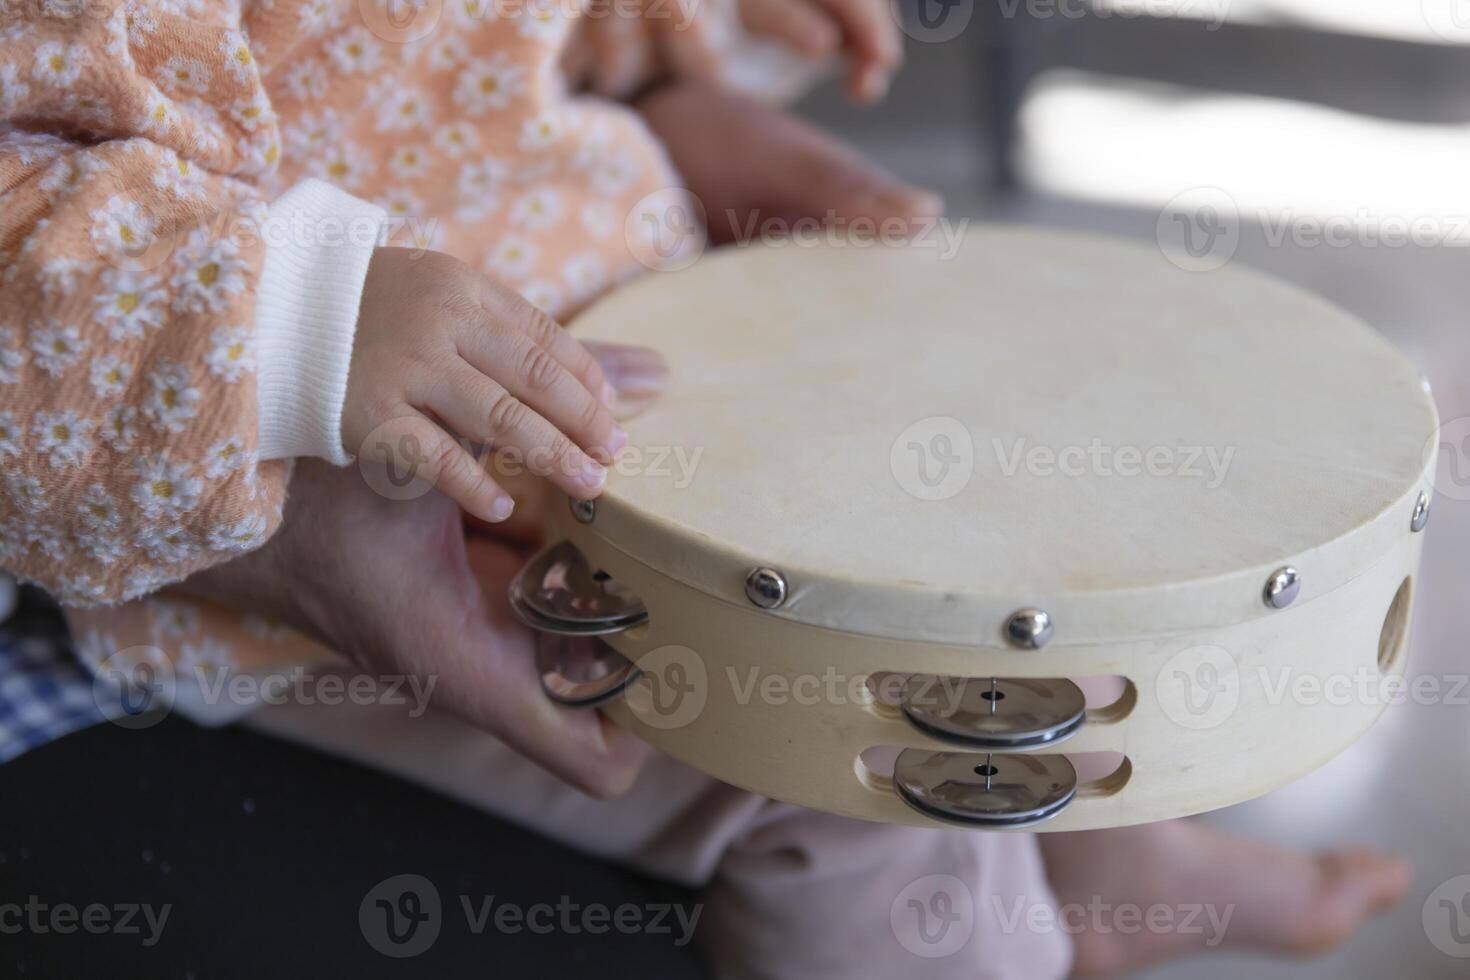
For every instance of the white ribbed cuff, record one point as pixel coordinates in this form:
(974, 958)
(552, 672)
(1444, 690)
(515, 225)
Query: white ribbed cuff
(319, 241)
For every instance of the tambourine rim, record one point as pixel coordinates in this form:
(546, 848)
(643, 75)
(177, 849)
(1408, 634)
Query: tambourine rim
(1084, 615)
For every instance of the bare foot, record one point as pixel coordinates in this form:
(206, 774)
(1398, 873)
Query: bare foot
(1207, 890)
(748, 162)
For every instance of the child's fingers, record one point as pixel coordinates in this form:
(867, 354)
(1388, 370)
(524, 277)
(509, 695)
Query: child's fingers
(509, 307)
(873, 43)
(532, 374)
(483, 410)
(425, 451)
(800, 23)
(870, 29)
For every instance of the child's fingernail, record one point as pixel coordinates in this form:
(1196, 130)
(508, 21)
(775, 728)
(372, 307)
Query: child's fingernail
(501, 508)
(617, 440)
(609, 394)
(593, 475)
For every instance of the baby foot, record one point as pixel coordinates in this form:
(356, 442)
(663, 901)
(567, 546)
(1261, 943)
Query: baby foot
(1254, 895)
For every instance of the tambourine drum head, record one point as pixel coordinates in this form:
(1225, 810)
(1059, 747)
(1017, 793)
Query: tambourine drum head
(921, 442)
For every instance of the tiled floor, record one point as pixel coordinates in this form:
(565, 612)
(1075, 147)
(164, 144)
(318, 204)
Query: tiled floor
(1407, 785)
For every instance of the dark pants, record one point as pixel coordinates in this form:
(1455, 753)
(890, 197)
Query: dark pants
(264, 857)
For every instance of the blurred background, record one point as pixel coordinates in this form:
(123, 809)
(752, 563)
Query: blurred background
(1324, 141)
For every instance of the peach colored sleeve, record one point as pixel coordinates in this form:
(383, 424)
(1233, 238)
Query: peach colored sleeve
(128, 412)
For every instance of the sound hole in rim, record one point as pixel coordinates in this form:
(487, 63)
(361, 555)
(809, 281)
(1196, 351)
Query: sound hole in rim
(1395, 630)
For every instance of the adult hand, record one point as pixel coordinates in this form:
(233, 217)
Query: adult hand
(394, 586)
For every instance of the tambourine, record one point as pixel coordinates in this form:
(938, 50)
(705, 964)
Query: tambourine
(900, 510)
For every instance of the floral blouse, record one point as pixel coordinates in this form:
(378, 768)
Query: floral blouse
(144, 147)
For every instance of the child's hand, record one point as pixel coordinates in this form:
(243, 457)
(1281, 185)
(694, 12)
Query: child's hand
(863, 30)
(446, 352)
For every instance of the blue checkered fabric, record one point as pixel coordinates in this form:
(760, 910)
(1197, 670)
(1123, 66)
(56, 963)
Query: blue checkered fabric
(45, 692)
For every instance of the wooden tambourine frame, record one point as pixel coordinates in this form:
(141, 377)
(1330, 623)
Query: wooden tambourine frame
(1241, 667)
(1258, 736)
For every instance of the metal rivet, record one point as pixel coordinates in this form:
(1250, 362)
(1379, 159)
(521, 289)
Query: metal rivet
(1282, 587)
(1029, 629)
(765, 587)
(584, 510)
(1421, 513)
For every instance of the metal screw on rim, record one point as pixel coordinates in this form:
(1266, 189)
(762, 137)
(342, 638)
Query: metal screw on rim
(1029, 629)
(1421, 513)
(1282, 587)
(765, 587)
(584, 510)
